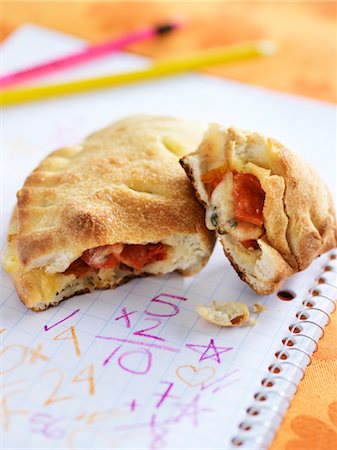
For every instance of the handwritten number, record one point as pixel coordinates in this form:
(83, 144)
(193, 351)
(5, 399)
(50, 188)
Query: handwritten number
(45, 424)
(21, 358)
(132, 352)
(142, 332)
(59, 381)
(175, 308)
(73, 337)
(86, 374)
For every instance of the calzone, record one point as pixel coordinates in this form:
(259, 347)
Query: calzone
(117, 206)
(270, 210)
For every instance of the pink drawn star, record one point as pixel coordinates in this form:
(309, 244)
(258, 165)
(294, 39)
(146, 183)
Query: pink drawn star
(211, 350)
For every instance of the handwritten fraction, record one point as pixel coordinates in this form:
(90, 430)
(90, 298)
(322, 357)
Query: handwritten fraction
(183, 396)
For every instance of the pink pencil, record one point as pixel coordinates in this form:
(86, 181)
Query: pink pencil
(86, 54)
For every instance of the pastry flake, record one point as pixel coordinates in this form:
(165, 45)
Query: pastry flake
(225, 314)
(258, 308)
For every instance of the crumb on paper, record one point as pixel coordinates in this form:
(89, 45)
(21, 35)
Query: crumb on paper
(258, 307)
(225, 314)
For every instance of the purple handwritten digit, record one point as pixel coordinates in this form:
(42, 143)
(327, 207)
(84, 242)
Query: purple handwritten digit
(175, 308)
(165, 395)
(133, 405)
(141, 332)
(46, 425)
(105, 362)
(39, 419)
(132, 352)
(46, 328)
(125, 316)
(51, 431)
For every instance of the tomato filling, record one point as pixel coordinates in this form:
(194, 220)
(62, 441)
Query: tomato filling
(138, 256)
(78, 267)
(212, 178)
(248, 198)
(110, 256)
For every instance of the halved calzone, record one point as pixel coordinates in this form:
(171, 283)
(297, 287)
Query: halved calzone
(271, 211)
(114, 207)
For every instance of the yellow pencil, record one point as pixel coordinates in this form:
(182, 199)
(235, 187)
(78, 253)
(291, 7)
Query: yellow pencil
(159, 69)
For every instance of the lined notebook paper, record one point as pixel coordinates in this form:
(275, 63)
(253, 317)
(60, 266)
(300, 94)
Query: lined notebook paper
(136, 367)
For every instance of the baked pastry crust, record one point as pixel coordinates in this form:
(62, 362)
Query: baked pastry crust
(122, 184)
(298, 212)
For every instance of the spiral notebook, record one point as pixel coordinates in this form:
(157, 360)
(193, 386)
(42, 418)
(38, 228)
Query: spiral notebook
(136, 367)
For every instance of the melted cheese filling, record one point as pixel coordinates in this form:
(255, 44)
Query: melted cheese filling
(220, 214)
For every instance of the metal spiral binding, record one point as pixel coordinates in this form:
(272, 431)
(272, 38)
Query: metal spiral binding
(279, 377)
(282, 363)
(263, 423)
(299, 350)
(311, 305)
(333, 303)
(313, 308)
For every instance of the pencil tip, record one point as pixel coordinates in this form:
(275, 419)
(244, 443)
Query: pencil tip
(167, 27)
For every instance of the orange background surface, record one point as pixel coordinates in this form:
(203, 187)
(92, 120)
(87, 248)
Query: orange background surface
(305, 65)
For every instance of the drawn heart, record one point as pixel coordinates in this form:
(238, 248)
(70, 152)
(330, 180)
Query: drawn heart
(188, 367)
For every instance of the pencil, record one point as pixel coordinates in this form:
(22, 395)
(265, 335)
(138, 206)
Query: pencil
(159, 69)
(86, 54)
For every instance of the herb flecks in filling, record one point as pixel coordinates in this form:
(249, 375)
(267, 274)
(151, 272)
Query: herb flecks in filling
(212, 218)
(248, 201)
(233, 223)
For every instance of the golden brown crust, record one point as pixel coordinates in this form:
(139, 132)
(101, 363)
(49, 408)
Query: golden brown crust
(124, 185)
(108, 190)
(309, 207)
(261, 286)
(192, 177)
(299, 216)
(38, 290)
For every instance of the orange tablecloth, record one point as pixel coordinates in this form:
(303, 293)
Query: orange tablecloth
(306, 65)
(306, 31)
